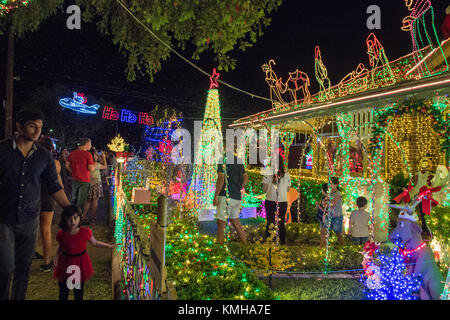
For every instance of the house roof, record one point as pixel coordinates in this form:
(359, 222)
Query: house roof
(408, 85)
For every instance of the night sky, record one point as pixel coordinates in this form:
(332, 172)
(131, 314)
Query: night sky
(84, 61)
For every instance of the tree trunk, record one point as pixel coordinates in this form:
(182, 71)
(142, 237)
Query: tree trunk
(9, 83)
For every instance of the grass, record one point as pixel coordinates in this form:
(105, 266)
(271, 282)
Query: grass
(318, 289)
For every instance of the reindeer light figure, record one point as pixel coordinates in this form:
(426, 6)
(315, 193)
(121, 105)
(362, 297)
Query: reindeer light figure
(420, 258)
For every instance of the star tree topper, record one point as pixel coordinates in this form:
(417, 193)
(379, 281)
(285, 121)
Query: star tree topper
(214, 78)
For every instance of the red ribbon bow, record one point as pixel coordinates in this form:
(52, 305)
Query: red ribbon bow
(427, 199)
(404, 195)
(370, 247)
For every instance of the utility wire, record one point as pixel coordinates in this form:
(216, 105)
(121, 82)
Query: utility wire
(116, 91)
(119, 91)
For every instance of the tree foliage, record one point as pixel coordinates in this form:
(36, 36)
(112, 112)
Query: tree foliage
(217, 26)
(28, 19)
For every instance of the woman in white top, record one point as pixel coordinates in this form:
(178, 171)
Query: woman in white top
(276, 187)
(96, 188)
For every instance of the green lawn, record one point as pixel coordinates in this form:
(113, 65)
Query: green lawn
(318, 289)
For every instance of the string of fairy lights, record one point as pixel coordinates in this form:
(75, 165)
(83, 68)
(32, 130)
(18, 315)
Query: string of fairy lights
(187, 279)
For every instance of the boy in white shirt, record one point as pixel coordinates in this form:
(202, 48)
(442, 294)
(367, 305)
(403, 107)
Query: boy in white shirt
(359, 222)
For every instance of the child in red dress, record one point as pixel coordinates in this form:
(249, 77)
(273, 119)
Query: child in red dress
(72, 254)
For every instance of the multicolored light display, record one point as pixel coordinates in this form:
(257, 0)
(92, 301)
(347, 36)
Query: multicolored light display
(422, 11)
(392, 282)
(78, 104)
(209, 150)
(127, 116)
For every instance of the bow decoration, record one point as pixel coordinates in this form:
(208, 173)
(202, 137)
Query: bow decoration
(370, 247)
(427, 199)
(404, 195)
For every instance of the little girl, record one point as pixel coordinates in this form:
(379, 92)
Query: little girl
(72, 251)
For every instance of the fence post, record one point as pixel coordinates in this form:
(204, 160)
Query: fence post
(157, 250)
(162, 211)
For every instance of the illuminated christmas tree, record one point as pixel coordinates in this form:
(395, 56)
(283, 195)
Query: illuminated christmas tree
(388, 279)
(117, 144)
(208, 150)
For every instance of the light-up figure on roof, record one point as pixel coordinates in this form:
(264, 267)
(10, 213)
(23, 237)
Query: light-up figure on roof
(322, 76)
(355, 81)
(272, 80)
(78, 104)
(421, 36)
(292, 85)
(381, 73)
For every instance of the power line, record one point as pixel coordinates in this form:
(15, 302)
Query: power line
(119, 91)
(116, 91)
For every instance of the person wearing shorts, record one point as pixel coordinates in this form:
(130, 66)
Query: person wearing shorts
(336, 209)
(237, 178)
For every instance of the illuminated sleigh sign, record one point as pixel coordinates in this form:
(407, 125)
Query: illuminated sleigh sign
(78, 104)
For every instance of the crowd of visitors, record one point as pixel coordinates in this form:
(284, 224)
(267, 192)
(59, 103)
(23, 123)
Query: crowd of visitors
(35, 178)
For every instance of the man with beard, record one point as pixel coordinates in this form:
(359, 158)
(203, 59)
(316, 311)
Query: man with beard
(25, 165)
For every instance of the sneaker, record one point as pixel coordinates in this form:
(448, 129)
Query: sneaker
(47, 267)
(37, 255)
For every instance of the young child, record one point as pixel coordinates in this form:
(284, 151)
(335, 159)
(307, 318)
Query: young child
(322, 212)
(322, 204)
(72, 252)
(359, 222)
(332, 217)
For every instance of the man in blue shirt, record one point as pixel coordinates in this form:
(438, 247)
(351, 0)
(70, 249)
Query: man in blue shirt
(25, 165)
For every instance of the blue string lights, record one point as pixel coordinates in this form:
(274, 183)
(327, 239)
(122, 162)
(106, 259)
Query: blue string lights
(78, 104)
(389, 280)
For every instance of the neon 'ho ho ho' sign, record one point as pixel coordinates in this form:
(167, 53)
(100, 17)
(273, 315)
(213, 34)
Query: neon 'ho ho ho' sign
(127, 116)
(78, 104)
